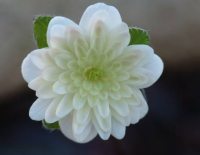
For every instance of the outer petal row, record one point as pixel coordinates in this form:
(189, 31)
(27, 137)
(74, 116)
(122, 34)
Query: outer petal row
(108, 14)
(87, 134)
(147, 67)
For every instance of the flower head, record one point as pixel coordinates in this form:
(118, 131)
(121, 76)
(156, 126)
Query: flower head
(89, 78)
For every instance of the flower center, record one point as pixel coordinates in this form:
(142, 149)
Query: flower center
(93, 74)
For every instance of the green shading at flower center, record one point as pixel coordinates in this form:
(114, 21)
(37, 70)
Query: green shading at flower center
(93, 74)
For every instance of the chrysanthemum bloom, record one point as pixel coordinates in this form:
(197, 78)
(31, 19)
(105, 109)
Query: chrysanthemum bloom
(89, 78)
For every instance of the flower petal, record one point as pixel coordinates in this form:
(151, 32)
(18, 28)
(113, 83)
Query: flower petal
(82, 135)
(103, 109)
(107, 13)
(56, 32)
(120, 107)
(62, 60)
(126, 91)
(36, 83)
(103, 134)
(66, 129)
(139, 110)
(60, 88)
(38, 109)
(104, 123)
(98, 35)
(82, 114)
(45, 91)
(66, 126)
(119, 39)
(51, 73)
(79, 128)
(91, 135)
(28, 69)
(118, 130)
(39, 57)
(135, 55)
(155, 67)
(78, 101)
(143, 109)
(50, 114)
(119, 118)
(147, 67)
(65, 106)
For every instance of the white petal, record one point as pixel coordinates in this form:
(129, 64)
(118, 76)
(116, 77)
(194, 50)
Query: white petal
(80, 47)
(79, 128)
(60, 88)
(112, 16)
(120, 107)
(78, 101)
(33, 63)
(155, 67)
(38, 108)
(103, 134)
(118, 130)
(50, 114)
(92, 101)
(66, 129)
(119, 118)
(36, 83)
(64, 77)
(115, 95)
(134, 99)
(45, 91)
(120, 38)
(145, 77)
(62, 60)
(51, 73)
(82, 114)
(91, 135)
(143, 109)
(82, 135)
(98, 35)
(104, 123)
(29, 70)
(148, 66)
(65, 106)
(138, 111)
(138, 98)
(56, 32)
(115, 86)
(66, 126)
(103, 109)
(135, 55)
(135, 115)
(126, 91)
(37, 57)
(124, 75)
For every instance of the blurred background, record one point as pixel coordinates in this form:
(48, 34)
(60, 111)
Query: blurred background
(172, 126)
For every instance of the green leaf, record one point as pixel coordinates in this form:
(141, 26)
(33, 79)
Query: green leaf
(50, 126)
(138, 36)
(40, 30)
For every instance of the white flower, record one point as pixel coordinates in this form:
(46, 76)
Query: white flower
(89, 79)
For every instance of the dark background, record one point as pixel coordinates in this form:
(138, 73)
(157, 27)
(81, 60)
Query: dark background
(172, 125)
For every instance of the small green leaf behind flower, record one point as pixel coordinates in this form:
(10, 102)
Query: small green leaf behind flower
(40, 30)
(50, 126)
(138, 36)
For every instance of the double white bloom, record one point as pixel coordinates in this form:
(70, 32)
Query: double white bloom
(89, 79)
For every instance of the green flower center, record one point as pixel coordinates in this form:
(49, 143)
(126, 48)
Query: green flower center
(93, 74)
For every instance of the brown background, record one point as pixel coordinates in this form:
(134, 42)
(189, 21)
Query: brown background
(172, 125)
